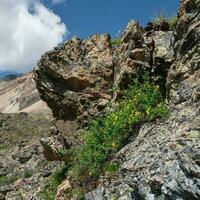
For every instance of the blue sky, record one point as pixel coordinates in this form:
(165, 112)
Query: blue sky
(29, 28)
(86, 17)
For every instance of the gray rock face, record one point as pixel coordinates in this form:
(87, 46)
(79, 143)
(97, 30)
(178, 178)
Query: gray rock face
(184, 74)
(97, 194)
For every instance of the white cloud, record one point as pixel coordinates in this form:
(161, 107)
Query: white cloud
(28, 29)
(58, 1)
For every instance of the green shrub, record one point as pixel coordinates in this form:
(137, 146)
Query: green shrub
(9, 179)
(111, 169)
(19, 196)
(106, 135)
(160, 18)
(2, 180)
(27, 173)
(116, 42)
(141, 103)
(115, 197)
(172, 21)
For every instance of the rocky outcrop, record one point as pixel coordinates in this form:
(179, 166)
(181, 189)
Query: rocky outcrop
(184, 74)
(163, 160)
(76, 81)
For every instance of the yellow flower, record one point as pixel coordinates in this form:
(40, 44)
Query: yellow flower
(90, 173)
(113, 144)
(148, 111)
(137, 113)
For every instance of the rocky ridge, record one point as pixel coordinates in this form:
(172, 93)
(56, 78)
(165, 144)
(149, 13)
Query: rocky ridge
(76, 81)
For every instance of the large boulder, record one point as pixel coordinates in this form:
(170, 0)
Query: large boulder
(74, 79)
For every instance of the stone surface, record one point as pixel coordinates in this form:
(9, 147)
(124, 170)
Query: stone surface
(62, 190)
(23, 168)
(97, 194)
(73, 79)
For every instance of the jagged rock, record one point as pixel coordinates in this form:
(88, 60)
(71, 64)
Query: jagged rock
(97, 194)
(23, 168)
(76, 81)
(162, 162)
(162, 159)
(163, 46)
(132, 32)
(161, 25)
(62, 190)
(163, 57)
(164, 26)
(20, 152)
(50, 151)
(152, 53)
(183, 77)
(149, 27)
(26, 154)
(73, 79)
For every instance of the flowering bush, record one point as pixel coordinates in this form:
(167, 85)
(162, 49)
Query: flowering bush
(141, 103)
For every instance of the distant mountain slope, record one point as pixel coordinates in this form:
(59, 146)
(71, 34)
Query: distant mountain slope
(6, 73)
(20, 95)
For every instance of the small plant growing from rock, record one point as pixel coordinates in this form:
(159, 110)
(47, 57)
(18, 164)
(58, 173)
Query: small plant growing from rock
(162, 22)
(77, 193)
(111, 169)
(172, 21)
(116, 41)
(27, 173)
